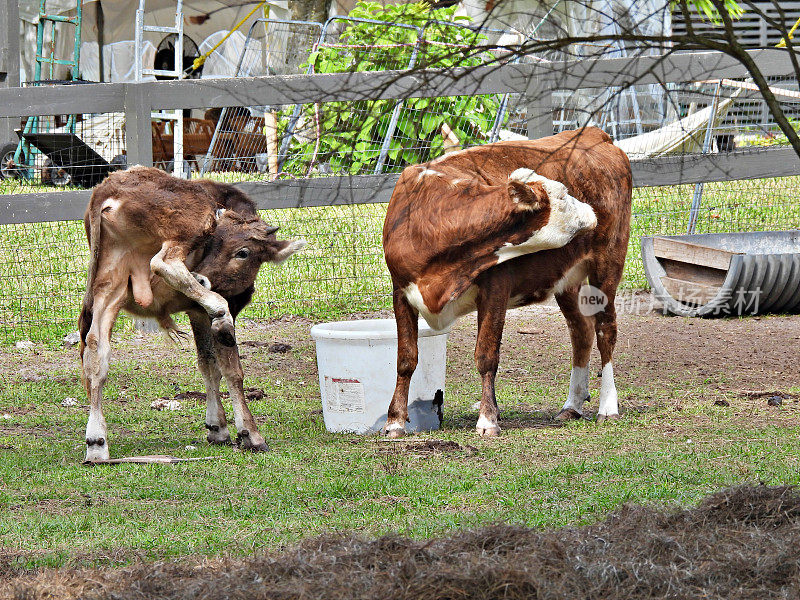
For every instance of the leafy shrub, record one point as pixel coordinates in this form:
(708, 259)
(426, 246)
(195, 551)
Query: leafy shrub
(352, 133)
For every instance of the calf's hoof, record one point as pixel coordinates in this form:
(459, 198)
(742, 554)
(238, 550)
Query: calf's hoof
(96, 450)
(226, 441)
(568, 414)
(251, 441)
(487, 428)
(223, 330)
(218, 435)
(394, 431)
(602, 419)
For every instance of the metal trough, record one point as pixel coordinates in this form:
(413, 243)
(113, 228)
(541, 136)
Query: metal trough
(719, 274)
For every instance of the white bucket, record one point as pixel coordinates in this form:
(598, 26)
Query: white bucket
(357, 363)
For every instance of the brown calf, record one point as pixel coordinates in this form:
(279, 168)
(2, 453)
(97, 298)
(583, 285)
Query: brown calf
(506, 225)
(147, 231)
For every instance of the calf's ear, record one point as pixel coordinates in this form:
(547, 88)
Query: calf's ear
(289, 248)
(528, 196)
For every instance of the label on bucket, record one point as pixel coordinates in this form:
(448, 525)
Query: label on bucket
(345, 395)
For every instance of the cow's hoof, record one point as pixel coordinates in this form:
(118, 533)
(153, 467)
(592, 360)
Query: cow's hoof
(487, 427)
(602, 419)
(394, 431)
(223, 330)
(96, 450)
(488, 431)
(568, 414)
(251, 441)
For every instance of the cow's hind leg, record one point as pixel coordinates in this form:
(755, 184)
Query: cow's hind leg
(407, 354)
(493, 296)
(169, 264)
(581, 333)
(607, 280)
(95, 356)
(216, 420)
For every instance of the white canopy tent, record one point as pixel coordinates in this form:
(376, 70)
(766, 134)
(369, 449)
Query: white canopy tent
(113, 22)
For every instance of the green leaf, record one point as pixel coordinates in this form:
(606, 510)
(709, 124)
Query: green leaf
(431, 122)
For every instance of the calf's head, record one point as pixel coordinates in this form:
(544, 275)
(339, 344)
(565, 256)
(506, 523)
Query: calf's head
(567, 216)
(236, 251)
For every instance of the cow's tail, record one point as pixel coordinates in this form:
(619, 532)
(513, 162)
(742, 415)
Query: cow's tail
(92, 224)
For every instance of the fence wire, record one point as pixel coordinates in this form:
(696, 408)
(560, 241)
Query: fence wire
(43, 266)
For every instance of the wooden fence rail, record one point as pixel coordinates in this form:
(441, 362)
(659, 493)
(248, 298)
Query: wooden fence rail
(534, 81)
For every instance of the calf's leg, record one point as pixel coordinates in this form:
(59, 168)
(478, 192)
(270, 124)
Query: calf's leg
(247, 436)
(216, 421)
(169, 264)
(493, 295)
(407, 354)
(95, 356)
(581, 333)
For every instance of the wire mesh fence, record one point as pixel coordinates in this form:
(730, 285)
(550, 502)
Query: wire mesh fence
(62, 151)
(43, 266)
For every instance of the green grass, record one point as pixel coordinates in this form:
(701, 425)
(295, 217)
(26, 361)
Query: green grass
(43, 266)
(672, 446)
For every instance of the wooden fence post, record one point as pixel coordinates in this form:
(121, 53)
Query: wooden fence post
(539, 110)
(138, 130)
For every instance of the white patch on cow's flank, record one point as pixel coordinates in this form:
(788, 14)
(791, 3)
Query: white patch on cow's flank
(462, 305)
(609, 404)
(574, 276)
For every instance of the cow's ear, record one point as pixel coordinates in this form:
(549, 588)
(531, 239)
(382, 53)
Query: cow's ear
(528, 196)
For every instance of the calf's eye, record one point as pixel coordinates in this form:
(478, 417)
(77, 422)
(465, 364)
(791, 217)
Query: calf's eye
(243, 253)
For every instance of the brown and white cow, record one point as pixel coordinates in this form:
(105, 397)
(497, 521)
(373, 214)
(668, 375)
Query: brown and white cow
(162, 245)
(506, 225)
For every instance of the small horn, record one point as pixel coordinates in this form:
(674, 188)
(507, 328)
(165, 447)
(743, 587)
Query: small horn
(272, 229)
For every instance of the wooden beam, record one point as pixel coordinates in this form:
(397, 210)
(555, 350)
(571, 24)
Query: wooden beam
(695, 254)
(693, 168)
(689, 292)
(321, 191)
(43, 207)
(348, 87)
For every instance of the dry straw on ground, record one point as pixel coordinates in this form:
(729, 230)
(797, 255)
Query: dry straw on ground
(743, 542)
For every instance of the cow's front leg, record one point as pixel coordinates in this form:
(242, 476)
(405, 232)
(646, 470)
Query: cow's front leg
(581, 333)
(407, 354)
(247, 437)
(169, 264)
(216, 421)
(493, 295)
(95, 356)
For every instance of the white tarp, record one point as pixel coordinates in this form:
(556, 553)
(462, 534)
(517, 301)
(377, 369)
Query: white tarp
(622, 113)
(118, 26)
(679, 137)
(224, 60)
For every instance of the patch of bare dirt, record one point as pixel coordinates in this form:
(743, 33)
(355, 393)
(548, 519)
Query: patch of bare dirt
(426, 447)
(741, 543)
